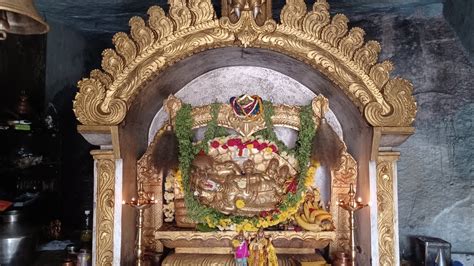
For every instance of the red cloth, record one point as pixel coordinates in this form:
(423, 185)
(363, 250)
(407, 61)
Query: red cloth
(4, 205)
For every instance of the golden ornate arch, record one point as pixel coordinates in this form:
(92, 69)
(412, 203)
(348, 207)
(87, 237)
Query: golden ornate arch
(325, 43)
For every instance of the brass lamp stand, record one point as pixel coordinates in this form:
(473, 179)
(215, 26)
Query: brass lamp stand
(144, 201)
(352, 206)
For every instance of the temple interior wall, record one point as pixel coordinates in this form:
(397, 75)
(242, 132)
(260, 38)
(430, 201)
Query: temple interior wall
(435, 170)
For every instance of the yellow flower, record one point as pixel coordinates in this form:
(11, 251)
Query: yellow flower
(179, 180)
(246, 226)
(210, 222)
(249, 227)
(292, 211)
(225, 222)
(250, 146)
(238, 228)
(239, 203)
(310, 176)
(235, 243)
(262, 223)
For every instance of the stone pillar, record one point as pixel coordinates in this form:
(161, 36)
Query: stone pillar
(107, 224)
(104, 191)
(387, 208)
(108, 195)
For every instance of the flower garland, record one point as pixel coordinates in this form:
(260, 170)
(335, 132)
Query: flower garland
(240, 145)
(291, 202)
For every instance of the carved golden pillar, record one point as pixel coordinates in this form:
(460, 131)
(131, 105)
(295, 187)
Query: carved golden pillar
(104, 207)
(387, 224)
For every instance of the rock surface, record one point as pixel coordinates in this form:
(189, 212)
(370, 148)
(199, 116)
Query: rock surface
(435, 172)
(460, 14)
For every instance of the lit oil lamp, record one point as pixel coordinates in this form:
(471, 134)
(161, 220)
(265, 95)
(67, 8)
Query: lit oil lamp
(144, 201)
(351, 206)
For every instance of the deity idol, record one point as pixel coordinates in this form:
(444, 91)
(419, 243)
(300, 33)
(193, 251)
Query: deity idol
(221, 185)
(241, 251)
(262, 251)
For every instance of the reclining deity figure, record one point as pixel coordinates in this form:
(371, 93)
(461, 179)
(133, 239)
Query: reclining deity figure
(221, 185)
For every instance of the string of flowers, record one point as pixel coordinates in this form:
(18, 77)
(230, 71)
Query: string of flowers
(292, 200)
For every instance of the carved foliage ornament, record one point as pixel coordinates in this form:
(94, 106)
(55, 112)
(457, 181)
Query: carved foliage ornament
(326, 43)
(385, 207)
(105, 206)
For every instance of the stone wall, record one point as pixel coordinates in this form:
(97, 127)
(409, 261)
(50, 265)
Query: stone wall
(435, 170)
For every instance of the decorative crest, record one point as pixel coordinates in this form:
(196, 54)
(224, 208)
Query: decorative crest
(328, 45)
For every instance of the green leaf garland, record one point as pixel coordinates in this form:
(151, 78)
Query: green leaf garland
(268, 133)
(187, 151)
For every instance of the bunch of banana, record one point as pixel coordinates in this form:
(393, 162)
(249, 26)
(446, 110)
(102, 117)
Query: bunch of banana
(313, 218)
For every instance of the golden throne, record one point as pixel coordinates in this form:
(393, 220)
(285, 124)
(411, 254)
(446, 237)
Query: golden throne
(117, 106)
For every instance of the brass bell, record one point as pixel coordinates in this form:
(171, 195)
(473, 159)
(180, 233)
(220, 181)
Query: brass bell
(20, 17)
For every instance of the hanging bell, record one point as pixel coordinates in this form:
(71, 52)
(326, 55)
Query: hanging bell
(20, 17)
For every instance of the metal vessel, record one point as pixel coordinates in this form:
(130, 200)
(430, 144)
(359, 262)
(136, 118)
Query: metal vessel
(18, 238)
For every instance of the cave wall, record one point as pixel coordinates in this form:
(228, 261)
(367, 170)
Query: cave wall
(460, 14)
(435, 170)
(435, 178)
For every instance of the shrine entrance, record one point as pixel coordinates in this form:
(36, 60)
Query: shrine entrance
(307, 60)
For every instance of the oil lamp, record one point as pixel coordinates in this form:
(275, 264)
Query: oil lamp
(351, 206)
(144, 201)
